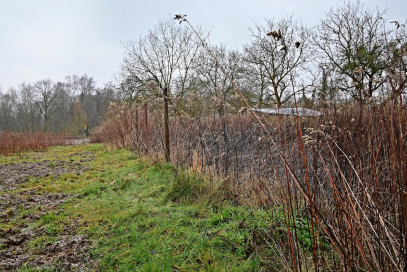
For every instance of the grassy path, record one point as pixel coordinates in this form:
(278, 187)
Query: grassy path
(110, 211)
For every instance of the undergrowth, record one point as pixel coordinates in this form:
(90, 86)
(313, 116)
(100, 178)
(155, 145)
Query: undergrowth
(13, 143)
(143, 215)
(343, 172)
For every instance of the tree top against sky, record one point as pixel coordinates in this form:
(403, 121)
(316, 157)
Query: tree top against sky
(51, 39)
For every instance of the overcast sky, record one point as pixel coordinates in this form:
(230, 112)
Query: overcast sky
(42, 39)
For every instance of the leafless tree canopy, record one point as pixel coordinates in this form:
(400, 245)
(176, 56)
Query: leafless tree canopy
(274, 59)
(164, 57)
(353, 40)
(55, 106)
(217, 88)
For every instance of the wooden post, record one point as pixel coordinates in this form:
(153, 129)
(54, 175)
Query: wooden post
(137, 131)
(166, 127)
(145, 124)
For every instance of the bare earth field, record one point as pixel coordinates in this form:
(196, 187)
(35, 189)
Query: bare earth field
(22, 207)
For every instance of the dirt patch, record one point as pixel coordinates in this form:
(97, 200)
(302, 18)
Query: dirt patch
(15, 173)
(22, 209)
(68, 253)
(12, 204)
(86, 156)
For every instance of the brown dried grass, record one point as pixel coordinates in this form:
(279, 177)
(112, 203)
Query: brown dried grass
(16, 143)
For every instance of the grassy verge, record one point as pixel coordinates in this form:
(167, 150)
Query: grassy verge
(142, 216)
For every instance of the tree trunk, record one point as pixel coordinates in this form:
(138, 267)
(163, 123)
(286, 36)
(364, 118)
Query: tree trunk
(166, 127)
(145, 126)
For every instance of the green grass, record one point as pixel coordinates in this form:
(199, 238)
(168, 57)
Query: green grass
(145, 216)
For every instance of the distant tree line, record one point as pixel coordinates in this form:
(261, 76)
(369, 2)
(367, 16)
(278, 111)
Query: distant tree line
(354, 53)
(55, 106)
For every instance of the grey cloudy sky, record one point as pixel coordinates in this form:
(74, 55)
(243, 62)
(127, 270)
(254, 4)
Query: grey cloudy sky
(42, 39)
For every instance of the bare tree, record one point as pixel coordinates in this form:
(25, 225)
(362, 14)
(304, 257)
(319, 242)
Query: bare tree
(55, 106)
(103, 97)
(132, 89)
(45, 96)
(187, 69)
(63, 111)
(352, 39)
(214, 83)
(80, 86)
(397, 52)
(278, 51)
(83, 89)
(257, 80)
(8, 107)
(163, 57)
(28, 114)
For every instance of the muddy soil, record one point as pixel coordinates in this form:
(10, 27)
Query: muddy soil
(68, 251)
(15, 173)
